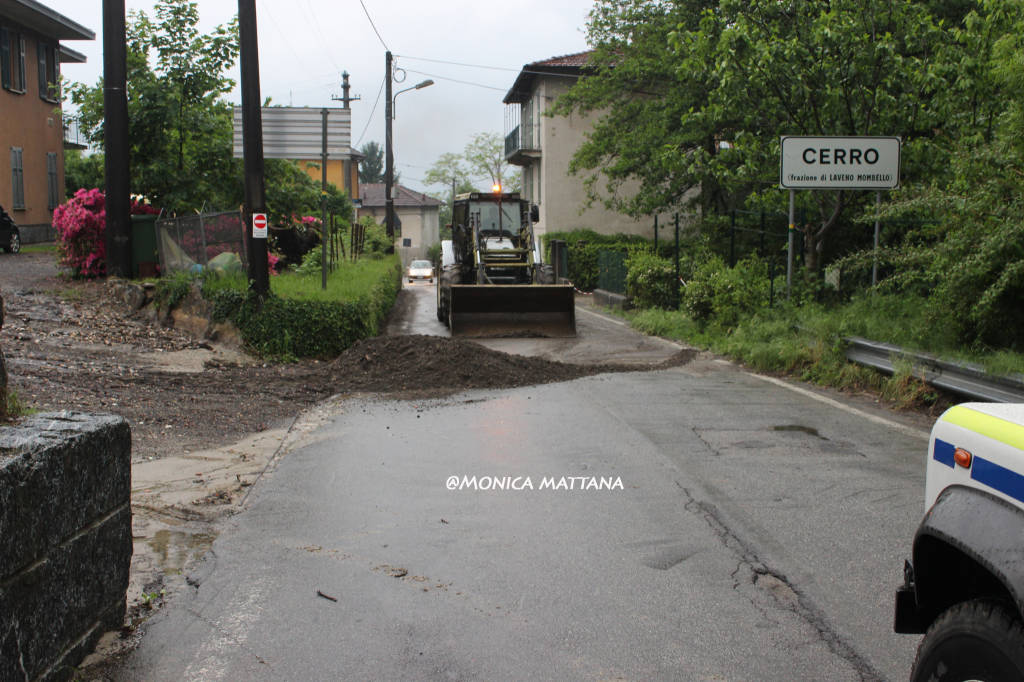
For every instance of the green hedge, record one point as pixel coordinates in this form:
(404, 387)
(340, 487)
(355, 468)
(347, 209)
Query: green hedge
(309, 328)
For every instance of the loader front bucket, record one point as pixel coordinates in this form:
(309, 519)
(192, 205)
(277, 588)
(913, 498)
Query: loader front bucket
(489, 310)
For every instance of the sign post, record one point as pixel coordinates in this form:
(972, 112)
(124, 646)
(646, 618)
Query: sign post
(836, 163)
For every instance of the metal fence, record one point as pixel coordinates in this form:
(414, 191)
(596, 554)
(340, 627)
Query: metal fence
(188, 241)
(611, 271)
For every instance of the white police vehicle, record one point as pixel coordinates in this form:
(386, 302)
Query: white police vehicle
(964, 586)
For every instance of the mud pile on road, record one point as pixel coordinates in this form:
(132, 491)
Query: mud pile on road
(399, 364)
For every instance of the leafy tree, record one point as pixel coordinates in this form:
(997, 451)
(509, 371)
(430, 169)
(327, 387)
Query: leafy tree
(449, 169)
(643, 104)
(291, 192)
(698, 117)
(83, 171)
(485, 156)
(179, 127)
(966, 263)
(450, 172)
(372, 167)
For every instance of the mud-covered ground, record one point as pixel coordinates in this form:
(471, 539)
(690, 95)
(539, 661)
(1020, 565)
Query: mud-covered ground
(73, 345)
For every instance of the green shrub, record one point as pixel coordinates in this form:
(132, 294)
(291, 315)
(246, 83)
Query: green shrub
(724, 296)
(299, 319)
(651, 281)
(376, 239)
(172, 288)
(699, 292)
(312, 264)
(434, 255)
(740, 291)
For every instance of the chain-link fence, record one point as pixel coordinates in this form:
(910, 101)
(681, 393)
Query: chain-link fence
(194, 240)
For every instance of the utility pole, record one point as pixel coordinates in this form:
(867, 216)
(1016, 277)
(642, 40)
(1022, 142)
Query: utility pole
(389, 153)
(323, 200)
(252, 145)
(345, 100)
(118, 235)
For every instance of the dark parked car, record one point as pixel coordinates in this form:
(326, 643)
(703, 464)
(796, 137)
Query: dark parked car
(10, 238)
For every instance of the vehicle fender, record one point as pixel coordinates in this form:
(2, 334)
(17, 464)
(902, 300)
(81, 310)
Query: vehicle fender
(965, 529)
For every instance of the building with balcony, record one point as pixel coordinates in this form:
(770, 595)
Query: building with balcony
(543, 146)
(31, 125)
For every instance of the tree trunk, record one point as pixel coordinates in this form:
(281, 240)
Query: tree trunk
(830, 206)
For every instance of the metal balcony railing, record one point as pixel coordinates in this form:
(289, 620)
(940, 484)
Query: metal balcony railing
(73, 137)
(520, 140)
(512, 142)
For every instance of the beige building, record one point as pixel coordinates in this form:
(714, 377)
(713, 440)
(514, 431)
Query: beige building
(543, 146)
(31, 125)
(417, 217)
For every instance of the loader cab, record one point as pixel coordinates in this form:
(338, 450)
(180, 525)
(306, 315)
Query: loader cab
(495, 217)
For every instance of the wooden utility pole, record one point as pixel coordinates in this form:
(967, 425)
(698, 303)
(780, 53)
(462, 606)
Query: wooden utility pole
(389, 153)
(252, 145)
(118, 235)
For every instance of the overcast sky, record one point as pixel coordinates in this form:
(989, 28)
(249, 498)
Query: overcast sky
(306, 44)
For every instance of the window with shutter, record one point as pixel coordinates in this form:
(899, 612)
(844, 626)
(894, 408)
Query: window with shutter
(17, 178)
(5, 58)
(52, 190)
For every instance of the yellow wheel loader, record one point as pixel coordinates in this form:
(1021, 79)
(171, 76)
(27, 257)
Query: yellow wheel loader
(496, 287)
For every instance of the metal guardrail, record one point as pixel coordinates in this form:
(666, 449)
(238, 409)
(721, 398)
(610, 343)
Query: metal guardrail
(964, 379)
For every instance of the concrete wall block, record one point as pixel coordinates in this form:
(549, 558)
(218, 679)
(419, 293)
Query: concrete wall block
(58, 472)
(65, 539)
(52, 613)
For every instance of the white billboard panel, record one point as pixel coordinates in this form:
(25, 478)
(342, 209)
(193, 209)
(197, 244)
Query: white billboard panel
(297, 133)
(839, 162)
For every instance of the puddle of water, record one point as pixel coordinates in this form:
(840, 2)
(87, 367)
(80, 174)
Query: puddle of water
(175, 548)
(801, 429)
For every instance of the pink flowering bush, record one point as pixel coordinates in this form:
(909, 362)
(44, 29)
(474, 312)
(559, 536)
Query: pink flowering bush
(81, 232)
(272, 262)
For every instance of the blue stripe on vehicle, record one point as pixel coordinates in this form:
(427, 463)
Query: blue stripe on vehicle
(943, 452)
(998, 477)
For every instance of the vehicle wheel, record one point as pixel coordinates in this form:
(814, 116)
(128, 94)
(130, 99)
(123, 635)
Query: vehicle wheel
(15, 244)
(441, 314)
(974, 640)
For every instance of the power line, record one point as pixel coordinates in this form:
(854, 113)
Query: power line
(323, 41)
(284, 39)
(495, 68)
(370, 119)
(373, 26)
(442, 61)
(456, 80)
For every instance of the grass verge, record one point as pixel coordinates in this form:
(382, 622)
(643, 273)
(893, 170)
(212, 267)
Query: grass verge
(807, 342)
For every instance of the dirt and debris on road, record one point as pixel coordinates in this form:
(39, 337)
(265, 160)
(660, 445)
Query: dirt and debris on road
(71, 345)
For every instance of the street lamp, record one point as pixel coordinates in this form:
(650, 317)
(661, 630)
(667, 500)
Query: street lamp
(418, 86)
(389, 172)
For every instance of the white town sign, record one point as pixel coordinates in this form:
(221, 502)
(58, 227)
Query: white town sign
(839, 162)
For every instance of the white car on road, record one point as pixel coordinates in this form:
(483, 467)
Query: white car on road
(420, 269)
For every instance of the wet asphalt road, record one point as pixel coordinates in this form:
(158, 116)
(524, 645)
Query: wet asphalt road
(599, 338)
(758, 535)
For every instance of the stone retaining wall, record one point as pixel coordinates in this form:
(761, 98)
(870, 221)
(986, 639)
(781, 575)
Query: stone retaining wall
(65, 540)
